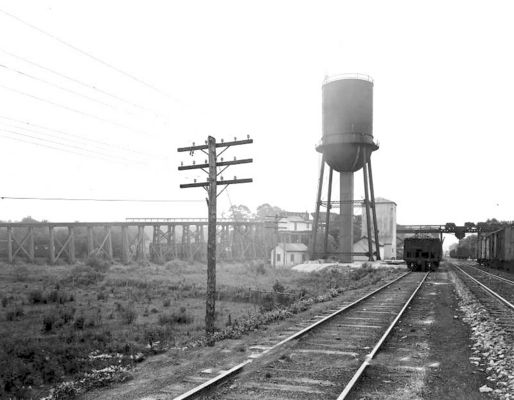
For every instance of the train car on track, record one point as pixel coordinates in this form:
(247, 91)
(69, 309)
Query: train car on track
(496, 249)
(422, 253)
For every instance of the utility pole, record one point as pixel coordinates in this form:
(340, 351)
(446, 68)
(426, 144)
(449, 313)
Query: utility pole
(211, 186)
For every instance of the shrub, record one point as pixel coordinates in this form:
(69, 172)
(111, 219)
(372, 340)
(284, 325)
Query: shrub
(166, 302)
(14, 313)
(102, 296)
(58, 296)
(5, 301)
(278, 287)
(36, 296)
(66, 314)
(49, 320)
(98, 263)
(181, 317)
(84, 275)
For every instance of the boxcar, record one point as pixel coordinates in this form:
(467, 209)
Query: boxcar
(496, 249)
(422, 253)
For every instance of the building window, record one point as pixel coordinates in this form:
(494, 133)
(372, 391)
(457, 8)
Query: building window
(278, 257)
(292, 258)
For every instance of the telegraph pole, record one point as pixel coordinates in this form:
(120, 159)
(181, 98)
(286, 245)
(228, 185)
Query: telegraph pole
(211, 186)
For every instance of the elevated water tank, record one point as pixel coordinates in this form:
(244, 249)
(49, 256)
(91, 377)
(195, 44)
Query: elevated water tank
(347, 117)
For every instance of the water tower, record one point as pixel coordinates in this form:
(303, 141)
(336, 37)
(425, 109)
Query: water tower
(346, 146)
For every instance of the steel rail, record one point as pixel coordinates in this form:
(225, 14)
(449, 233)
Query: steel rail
(196, 391)
(493, 275)
(486, 288)
(370, 356)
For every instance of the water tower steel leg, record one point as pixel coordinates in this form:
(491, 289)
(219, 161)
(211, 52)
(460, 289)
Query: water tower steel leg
(329, 205)
(374, 210)
(318, 205)
(366, 201)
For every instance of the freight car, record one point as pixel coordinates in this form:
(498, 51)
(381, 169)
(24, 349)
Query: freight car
(496, 249)
(422, 253)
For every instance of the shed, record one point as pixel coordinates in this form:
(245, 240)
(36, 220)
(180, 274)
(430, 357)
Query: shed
(286, 254)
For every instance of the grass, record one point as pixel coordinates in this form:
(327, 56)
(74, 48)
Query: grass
(62, 314)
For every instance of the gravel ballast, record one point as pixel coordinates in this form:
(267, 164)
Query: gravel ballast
(493, 350)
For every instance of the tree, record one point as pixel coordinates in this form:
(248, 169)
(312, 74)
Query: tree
(239, 212)
(266, 210)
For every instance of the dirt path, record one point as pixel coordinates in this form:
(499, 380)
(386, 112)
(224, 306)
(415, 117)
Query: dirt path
(428, 355)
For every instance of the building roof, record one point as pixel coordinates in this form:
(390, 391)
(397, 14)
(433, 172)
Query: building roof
(383, 200)
(293, 218)
(293, 247)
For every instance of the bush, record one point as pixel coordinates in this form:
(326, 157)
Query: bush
(58, 296)
(36, 296)
(84, 275)
(5, 301)
(98, 263)
(66, 314)
(181, 317)
(49, 320)
(166, 302)
(14, 313)
(278, 287)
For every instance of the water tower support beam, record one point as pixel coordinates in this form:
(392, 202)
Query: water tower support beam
(374, 210)
(318, 205)
(366, 201)
(329, 206)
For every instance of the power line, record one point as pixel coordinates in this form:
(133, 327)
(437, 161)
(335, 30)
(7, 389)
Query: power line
(73, 110)
(89, 86)
(84, 53)
(73, 142)
(34, 127)
(56, 86)
(52, 143)
(100, 200)
(50, 147)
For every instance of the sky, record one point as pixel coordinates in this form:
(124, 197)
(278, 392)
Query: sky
(122, 84)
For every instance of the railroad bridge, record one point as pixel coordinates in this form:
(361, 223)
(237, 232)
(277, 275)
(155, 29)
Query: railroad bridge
(135, 239)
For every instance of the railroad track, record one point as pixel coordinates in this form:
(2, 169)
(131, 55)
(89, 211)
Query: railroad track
(494, 292)
(323, 360)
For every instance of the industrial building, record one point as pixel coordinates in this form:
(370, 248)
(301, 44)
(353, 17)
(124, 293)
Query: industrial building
(386, 224)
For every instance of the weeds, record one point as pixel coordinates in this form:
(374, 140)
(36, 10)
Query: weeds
(128, 314)
(181, 317)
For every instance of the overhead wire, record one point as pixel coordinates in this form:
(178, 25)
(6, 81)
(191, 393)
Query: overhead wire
(100, 200)
(16, 139)
(73, 148)
(56, 86)
(74, 110)
(79, 82)
(80, 142)
(86, 54)
(97, 143)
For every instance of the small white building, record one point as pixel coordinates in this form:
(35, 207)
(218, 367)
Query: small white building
(286, 254)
